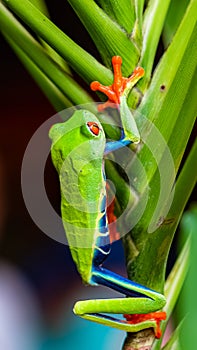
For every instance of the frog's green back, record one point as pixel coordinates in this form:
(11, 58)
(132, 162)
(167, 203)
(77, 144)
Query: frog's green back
(78, 157)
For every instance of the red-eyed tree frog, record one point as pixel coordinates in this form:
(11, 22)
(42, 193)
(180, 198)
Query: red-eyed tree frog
(78, 150)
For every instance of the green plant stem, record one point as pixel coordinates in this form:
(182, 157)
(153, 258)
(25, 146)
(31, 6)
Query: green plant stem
(152, 28)
(13, 29)
(174, 285)
(82, 62)
(40, 4)
(174, 16)
(157, 244)
(106, 33)
(174, 343)
(187, 303)
(54, 95)
(187, 181)
(139, 8)
(122, 11)
(177, 63)
(176, 279)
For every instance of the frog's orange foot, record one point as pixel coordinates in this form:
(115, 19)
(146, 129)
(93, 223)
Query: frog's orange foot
(117, 89)
(153, 316)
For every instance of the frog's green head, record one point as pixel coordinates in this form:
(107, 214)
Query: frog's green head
(82, 128)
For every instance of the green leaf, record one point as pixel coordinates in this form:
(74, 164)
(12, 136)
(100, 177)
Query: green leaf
(173, 343)
(170, 100)
(137, 29)
(174, 16)
(186, 180)
(54, 95)
(188, 304)
(13, 29)
(170, 162)
(176, 65)
(174, 284)
(82, 62)
(154, 19)
(122, 12)
(139, 9)
(40, 4)
(107, 35)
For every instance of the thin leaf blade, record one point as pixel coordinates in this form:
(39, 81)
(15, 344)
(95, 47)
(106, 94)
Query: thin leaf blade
(107, 35)
(82, 62)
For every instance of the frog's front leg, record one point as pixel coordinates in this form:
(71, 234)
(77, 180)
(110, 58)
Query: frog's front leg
(117, 94)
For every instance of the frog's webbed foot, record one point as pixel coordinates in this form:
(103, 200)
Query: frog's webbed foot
(121, 85)
(156, 317)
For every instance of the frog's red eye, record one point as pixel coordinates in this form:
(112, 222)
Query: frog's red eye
(94, 128)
